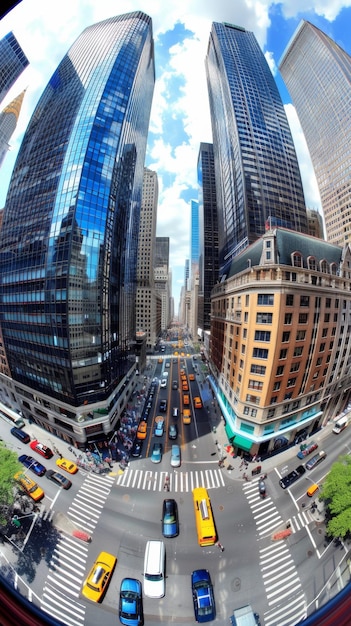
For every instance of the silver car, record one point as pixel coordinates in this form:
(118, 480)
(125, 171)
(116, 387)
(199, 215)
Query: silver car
(175, 455)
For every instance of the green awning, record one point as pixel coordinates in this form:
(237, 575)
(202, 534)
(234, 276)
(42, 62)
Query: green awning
(229, 432)
(242, 443)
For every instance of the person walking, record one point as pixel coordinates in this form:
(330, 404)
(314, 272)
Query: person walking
(220, 546)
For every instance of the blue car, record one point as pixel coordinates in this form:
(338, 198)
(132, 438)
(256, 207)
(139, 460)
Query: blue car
(32, 464)
(130, 602)
(170, 523)
(203, 598)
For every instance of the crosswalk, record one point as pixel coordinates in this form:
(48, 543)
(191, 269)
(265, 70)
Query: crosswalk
(67, 569)
(285, 596)
(301, 520)
(179, 480)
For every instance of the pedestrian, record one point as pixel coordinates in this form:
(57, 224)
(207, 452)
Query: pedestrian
(220, 546)
(166, 485)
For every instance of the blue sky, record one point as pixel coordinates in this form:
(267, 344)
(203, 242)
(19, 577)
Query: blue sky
(180, 115)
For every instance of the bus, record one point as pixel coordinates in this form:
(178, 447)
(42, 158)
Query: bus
(11, 417)
(341, 423)
(205, 526)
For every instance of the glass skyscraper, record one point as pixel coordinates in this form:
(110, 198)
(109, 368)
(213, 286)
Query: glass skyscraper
(208, 226)
(69, 239)
(12, 63)
(317, 73)
(257, 174)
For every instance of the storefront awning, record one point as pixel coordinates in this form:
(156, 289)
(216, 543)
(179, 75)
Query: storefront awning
(242, 443)
(229, 432)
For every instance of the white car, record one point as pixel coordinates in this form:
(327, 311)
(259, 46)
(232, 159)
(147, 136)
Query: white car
(163, 383)
(159, 428)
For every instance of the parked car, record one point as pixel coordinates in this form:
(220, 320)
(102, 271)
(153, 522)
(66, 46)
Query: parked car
(41, 449)
(32, 464)
(156, 455)
(59, 479)
(172, 431)
(130, 602)
(20, 434)
(316, 459)
(305, 450)
(290, 478)
(175, 456)
(170, 522)
(159, 426)
(96, 583)
(67, 465)
(29, 486)
(203, 598)
(142, 430)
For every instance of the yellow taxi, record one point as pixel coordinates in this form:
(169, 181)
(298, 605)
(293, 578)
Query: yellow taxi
(191, 376)
(30, 486)
(99, 577)
(67, 465)
(197, 402)
(312, 490)
(141, 432)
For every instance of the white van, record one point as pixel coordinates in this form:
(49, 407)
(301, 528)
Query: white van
(154, 569)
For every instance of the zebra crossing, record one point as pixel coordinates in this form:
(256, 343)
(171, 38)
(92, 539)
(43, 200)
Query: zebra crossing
(301, 520)
(67, 568)
(285, 596)
(179, 481)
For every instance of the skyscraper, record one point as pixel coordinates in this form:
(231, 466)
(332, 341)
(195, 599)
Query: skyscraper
(70, 230)
(208, 273)
(8, 122)
(317, 73)
(257, 173)
(12, 63)
(162, 278)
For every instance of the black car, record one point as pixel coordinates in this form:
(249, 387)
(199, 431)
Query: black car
(163, 406)
(170, 522)
(137, 447)
(57, 478)
(172, 431)
(290, 478)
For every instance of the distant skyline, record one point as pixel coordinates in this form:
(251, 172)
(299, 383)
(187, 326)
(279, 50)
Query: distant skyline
(180, 113)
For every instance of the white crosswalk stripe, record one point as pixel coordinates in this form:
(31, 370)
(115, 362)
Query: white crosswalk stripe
(68, 562)
(300, 520)
(179, 480)
(264, 511)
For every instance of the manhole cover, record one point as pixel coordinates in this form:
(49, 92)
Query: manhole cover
(221, 507)
(309, 553)
(230, 488)
(236, 584)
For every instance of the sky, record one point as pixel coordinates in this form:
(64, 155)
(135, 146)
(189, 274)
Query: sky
(180, 118)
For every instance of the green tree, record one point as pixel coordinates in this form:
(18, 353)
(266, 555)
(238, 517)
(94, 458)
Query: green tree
(336, 493)
(9, 465)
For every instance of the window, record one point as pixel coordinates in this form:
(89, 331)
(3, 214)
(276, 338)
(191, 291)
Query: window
(295, 367)
(297, 259)
(271, 413)
(300, 335)
(291, 382)
(262, 335)
(283, 353)
(276, 386)
(288, 318)
(258, 369)
(264, 318)
(304, 301)
(285, 337)
(280, 370)
(246, 410)
(289, 300)
(322, 347)
(260, 353)
(265, 298)
(298, 351)
(303, 318)
(255, 384)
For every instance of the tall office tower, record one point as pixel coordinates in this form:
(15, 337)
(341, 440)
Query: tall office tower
(257, 173)
(12, 63)
(8, 122)
(145, 308)
(208, 273)
(69, 240)
(317, 73)
(162, 284)
(194, 260)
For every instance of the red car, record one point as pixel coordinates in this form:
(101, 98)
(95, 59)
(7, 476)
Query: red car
(41, 449)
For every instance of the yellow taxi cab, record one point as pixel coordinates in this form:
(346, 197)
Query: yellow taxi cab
(67, 465)
(99, 576)
(191, 376)
(186, 400)
(197, 402)
(186, 416)
(312, 490)
(185, 385)
(30, 486)
(142, 429)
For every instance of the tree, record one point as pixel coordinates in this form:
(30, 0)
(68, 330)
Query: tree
(9, 465)
(336, 493)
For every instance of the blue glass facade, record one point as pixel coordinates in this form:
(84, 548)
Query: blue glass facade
(257, 173)
(12, 63)
(70, 231)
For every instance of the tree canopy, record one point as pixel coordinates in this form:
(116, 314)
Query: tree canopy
(336, 493)
(9, 465)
